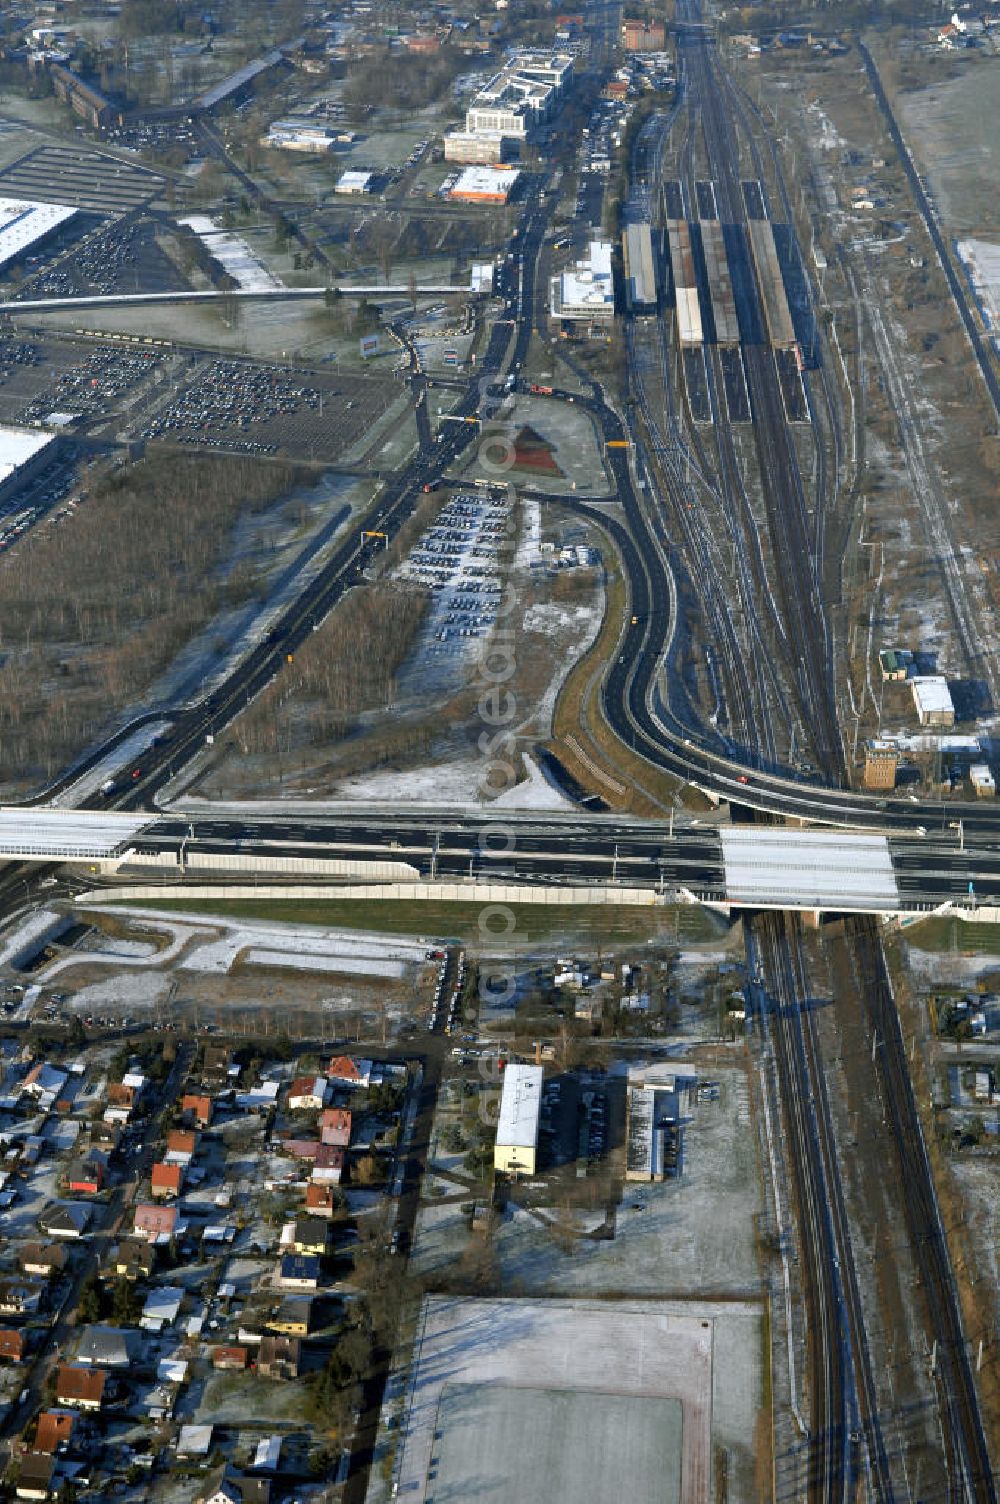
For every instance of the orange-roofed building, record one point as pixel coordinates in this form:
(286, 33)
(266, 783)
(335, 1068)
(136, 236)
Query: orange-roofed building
(82, 1387)
(166, 1180)
(348, 1071)
(55, 1430)
(197, 1108)
(320, 1199)
(335, 1126)
(181, 1145)
(155, 1223)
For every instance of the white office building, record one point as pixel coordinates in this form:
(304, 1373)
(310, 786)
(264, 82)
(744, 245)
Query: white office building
(585, 292)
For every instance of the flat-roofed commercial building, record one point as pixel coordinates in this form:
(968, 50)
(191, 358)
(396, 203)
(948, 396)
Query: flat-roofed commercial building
(502, 116)
(643, 36)
(355, 182)
(23, 452)
(932, 697)
(302, 135)
(658, 1103)
(25, 223)
(516, 1148)
(478, 146)
(586, 292)
(485, 185)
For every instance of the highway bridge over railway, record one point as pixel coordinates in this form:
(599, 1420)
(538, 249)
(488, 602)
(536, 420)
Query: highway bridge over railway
(471, 855)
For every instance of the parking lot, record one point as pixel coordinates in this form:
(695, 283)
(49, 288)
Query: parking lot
(34, 501)
(259, 407)
(27, 367)
(458, 558)
(110, 258)
(96, 385)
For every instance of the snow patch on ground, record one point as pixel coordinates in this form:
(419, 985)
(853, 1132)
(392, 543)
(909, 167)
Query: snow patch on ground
(549, 616)
(828, 136)
(34, 928)
(233, 254)
(453, 783)
(352, 965)
(306, 949)
(536, 792)
(982, 261)
(134, 990)
(529, 543)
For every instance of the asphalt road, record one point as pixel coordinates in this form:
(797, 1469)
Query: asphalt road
(930, 871)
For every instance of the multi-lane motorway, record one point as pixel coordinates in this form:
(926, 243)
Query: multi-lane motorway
(572, 849)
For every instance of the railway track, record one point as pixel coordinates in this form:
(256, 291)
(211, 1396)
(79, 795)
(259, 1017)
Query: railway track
(972, 1480)
(847, 1448)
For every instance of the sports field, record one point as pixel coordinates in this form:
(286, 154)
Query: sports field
(558, 1402)
(499, 1442)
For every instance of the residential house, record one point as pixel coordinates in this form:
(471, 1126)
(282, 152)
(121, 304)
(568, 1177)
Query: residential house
(181, 1146)
(165, 1180)
(230, 1359)
(895, 664)
(19, 1297)
(298, 1271)
(344, 1070)
(195, 1441)
(293, 1317)
(226, 1486)
(85, 1177)
(197, 1109)
(307, 1093)
(217, 1068)
(260, 1098)
(321, 1200)
(54, 1432)
(44, 1082)
(105, 1138)
(162, 1308)
(335, 1127)
(12, 1344)
(108, 1346)
(42, 1260)
(67, 1220)
(133, 1259)
(157, 1224)
(279, 1358)
(301, 1148)
(310, 1235)
(83, 1388)
(35, 1478)
(328, 1166)
(122, 1102)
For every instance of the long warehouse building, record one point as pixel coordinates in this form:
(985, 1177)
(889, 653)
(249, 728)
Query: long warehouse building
(689, 327)
(720, 283)
(640, 267)
(517, 1128)
(780, 329)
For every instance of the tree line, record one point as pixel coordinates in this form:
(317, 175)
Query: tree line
(92, 608)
